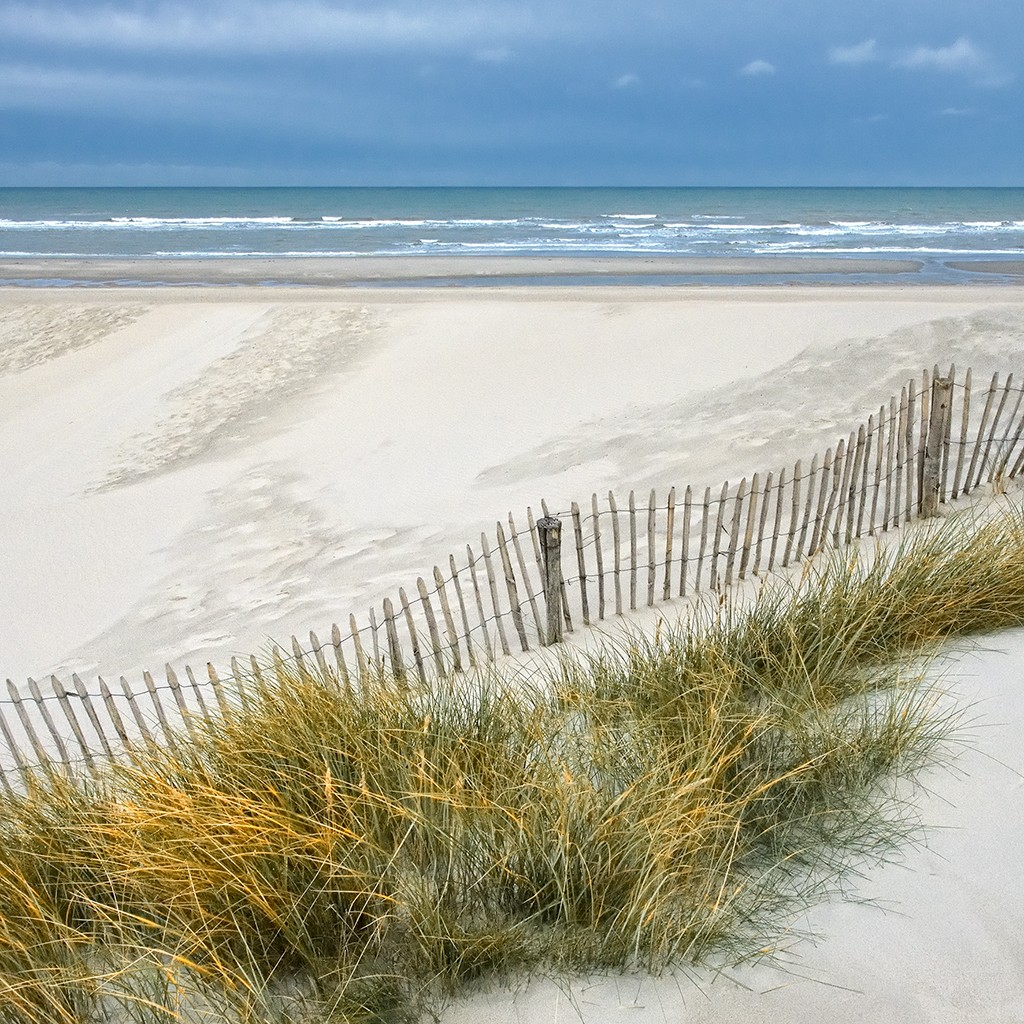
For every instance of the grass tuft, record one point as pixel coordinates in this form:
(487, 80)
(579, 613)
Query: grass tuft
(323, 856)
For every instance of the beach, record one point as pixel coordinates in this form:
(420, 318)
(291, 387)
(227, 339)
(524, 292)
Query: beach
(191, 471)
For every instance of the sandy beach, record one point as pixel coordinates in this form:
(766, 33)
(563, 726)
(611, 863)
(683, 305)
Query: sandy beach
(190, 471)
(193, 471)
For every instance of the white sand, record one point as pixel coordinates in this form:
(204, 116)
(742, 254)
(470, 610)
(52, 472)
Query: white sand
(190, 471)
(941, 943)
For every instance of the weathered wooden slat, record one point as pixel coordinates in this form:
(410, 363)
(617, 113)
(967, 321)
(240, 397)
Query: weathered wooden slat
(5, 782)
(538, 620)
(414, 640)
(910, 463)
(839, 513)
(780, 494)
(488, 647)
(922, 439)
(824, 487)
(634, 561)
(845, 494)
(812, 477)
(538, 557)
(218, 691)
(651, 554)
(394, 644)
(986, 460)
(184, 713)
(357, 643)
(891, 462)
(598, 554)
(748, 536)
(493, 584)
(1007, 446)
(137, 716)
(705, 516)
(85, 702)
(848, 488)
(938, 418)
(670, 529)
(87, 705)
(853, 491)
(839, 476)
(971, 480)
(716, 544)
(298, 657)
(463, 613)
(685, 553)
(1018, 463)
(378, 661)
(734, 530)
(563, 587)
(451, 633)
(616, 552)
(72, 719)
(246, 682)
(946, 435)
(203, 712)
(531, 525)
(840, 482)
(339, 659)
(38, 749)
(879, 457)
(513, 591)
(435, 635)
(280, 668)
(113, 714)
(855, 526)
(899, 445)
(1016, 468)
(44, 713)
(865, 484)
(321, 659)
(21, 762)
(794, 518)
(965, 418)
(577, 527)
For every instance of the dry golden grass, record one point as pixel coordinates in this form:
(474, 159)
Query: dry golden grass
(324, 856)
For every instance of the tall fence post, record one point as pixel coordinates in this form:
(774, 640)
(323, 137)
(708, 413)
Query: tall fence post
(550, 530)
(931, 481)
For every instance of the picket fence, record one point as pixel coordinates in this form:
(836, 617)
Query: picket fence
(539, 578)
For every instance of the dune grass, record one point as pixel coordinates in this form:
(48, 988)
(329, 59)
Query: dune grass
(673, 800)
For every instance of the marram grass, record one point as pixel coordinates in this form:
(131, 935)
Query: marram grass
(674, 800)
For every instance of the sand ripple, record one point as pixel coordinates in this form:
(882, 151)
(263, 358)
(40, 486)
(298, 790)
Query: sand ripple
(240, 397)
(35, 334)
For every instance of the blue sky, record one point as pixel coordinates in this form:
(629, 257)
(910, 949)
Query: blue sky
(488, 92)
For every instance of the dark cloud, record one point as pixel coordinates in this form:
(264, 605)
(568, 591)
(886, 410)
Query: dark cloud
(497, 91)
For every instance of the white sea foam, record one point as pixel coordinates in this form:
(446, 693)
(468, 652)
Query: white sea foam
(324, 226)
(198, 222)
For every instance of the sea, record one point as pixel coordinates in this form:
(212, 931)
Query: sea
(953, 234)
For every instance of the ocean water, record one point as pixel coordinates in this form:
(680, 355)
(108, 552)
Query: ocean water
(931, 225)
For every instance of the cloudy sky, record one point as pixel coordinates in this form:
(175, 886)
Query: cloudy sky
(518, 92)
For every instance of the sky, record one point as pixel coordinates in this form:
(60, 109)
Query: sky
(493, 92)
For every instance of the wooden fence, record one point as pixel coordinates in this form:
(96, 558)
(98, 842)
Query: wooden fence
(525, 586)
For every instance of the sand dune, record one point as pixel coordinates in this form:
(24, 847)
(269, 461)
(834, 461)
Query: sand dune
(191, 472)
(188, 472)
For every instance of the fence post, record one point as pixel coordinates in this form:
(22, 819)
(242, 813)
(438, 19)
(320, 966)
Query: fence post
(942, 392)
(550, 530)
